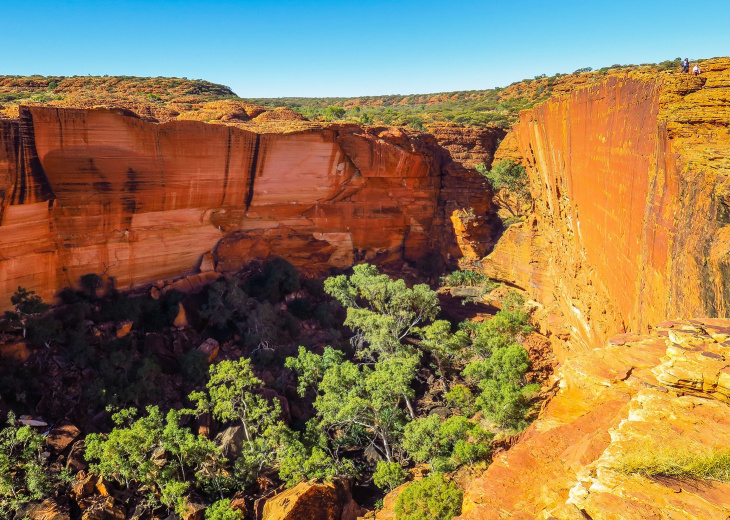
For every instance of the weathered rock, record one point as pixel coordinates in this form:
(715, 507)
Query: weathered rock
(84, 485)
(17, 351)
(62, 434)
(104, 508)
(313, 501)
(124, 328)
(105, 191)
(387, 512)
(231, 440)
(181, 320)
(194, 509)
(612, 243)
(210, 348)
(76, 460)
(50, 509)
(613, 400)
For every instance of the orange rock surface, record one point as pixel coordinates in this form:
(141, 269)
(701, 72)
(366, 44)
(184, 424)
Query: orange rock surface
(636, 391)
(104, 191)
(313, 501)
(629, 178)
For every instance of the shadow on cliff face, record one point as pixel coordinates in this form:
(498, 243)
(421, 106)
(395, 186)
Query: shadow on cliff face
(456, 309)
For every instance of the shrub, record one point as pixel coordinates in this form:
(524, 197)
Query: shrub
(278, 279)
(389, 475)
(221, 510)
(469, 278)
(24, 475)
(462, 399)
(433, 498)
(446, 445)
(677, 462)
(511, 177)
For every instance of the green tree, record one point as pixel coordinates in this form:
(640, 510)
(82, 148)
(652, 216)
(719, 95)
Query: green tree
(227, 304)
(383, 312)
(505, 396)
(311, 367)
(447, 444)
(154, 451)
(231, 397)
(462, 398)
(432, 498)
(334, 113)
(27, 305)
(24, 474)
(389, 475)
(370, 398)
(299, 463)
(445, 347)
(511, 177)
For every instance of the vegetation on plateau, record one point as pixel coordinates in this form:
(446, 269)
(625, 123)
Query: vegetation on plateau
(498, 106)
(677, 461)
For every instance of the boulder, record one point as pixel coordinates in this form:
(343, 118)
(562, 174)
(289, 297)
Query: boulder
(49, 509)
(210, 348)
(387, 512)
(17, 351)
(76, 460)
(104, 508)
(231, 440)
(194, 509)
(84, 485)
(63, 434)
(181, 320)
(314, 501)
(124, 328)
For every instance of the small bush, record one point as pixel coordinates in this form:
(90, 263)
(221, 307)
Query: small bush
(389, 475)
(278, 279)
(221, 510)
(462, 399)
(433, 498)
(469, 278)
(677, 462)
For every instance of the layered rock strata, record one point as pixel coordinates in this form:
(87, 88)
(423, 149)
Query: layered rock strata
(636, 393)
(629, 178)
(104, 191)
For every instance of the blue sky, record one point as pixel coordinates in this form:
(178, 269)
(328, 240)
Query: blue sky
(347, 48)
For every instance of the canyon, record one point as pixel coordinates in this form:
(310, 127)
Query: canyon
(625, 249)
(105, 191)
(625, 243)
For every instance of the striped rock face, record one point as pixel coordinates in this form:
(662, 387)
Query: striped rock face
(104, 191)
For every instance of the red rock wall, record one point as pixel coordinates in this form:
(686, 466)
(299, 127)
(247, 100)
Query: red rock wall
(104, 191)
(627, 213)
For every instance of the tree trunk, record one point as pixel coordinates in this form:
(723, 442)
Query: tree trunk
(410, 407)
(388, 454)
(441, 373)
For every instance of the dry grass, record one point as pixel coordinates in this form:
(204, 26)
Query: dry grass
(677, 462)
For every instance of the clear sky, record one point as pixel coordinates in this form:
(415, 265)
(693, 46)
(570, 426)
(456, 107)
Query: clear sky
(348, 48)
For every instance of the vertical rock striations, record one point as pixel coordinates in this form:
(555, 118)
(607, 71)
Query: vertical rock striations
(105, 191)
(629, 177)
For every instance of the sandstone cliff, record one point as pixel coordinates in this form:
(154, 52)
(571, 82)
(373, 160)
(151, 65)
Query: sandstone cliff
(637, 392)
(629, 225)
(105, 191)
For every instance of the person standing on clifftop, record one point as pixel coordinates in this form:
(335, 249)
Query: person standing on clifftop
(685, 66)
(696, 70)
